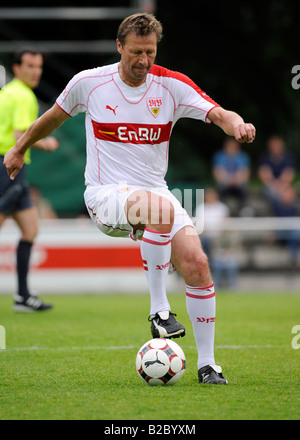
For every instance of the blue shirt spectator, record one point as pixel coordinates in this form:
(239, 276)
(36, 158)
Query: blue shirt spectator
(287, 206)
(231, 171)
(276, 168)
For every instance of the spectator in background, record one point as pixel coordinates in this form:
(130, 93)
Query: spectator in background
(286, 205)
(231, 172)
(214, 214)
(276, 168)
(219, 245)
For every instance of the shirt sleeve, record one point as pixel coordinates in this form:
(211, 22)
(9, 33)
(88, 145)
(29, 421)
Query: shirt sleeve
(192, 101)
(72, 100)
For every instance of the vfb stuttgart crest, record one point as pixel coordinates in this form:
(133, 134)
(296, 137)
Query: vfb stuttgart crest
(154, 105)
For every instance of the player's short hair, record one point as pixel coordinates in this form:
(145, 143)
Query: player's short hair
(18, 55)
(142, 24)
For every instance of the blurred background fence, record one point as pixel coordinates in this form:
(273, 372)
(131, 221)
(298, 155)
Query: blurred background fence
(71, 256)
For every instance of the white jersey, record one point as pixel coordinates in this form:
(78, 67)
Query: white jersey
(128, 129)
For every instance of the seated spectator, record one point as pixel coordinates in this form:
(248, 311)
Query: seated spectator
(286, 205)
(219, 245)
(214, 213)
(276, 168)
(231, 171)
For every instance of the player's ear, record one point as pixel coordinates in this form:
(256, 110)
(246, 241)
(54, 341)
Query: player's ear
(119, 47)
(15, 69)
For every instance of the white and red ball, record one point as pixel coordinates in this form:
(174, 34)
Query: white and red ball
(160, 362)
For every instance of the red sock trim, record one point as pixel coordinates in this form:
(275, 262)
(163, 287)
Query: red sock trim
(155, 242)
(201, 288)
(200, 296)
(157, 232)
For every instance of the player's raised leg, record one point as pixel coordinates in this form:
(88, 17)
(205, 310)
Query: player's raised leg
(190, 260)
(154, 215)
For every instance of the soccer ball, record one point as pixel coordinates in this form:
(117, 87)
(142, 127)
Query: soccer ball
(160, 362)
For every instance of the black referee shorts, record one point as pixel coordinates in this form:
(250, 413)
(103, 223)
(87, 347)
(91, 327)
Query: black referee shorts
(14, 194)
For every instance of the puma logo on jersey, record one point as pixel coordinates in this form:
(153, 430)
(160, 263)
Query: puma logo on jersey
(108, 107)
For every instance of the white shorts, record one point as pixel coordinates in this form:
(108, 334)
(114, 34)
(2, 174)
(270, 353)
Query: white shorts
(106, 206)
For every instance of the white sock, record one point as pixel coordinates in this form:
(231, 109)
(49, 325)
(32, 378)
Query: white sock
(201, 308)
(156, 254)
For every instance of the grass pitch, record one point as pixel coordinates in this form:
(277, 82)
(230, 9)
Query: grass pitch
(77, 361)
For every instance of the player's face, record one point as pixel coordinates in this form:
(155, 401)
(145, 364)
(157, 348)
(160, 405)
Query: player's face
(30, 70)
(137, 57)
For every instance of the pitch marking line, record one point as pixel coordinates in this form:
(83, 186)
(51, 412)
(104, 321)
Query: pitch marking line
(131, 347)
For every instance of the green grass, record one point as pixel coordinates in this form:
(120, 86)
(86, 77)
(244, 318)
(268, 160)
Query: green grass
(78, 361)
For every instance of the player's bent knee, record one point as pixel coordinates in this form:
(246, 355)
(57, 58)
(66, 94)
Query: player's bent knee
(202, 261)
(194, 264)
(148, 209)
(199, 261)
(137, 208)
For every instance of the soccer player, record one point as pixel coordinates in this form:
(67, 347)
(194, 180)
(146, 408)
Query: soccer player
(131, 107)
(18, 109)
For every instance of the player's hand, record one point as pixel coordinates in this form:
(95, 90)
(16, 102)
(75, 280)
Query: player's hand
(13, 161)
(51, 144)
(244, 132)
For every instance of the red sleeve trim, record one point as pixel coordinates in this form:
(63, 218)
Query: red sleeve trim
(162, 71)
(63, 110)
(207, 117)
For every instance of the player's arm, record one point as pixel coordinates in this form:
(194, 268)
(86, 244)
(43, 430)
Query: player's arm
(39, 129)
(232, 124)
(48, 144)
